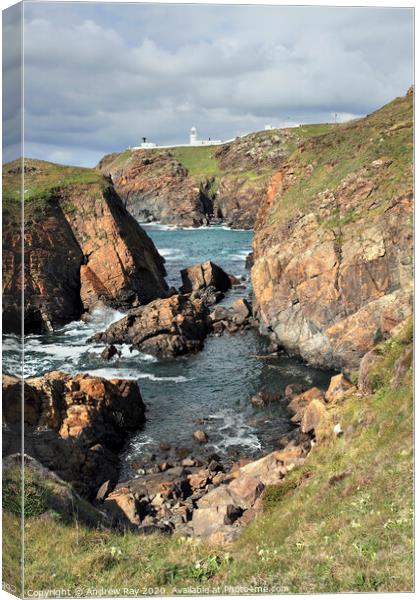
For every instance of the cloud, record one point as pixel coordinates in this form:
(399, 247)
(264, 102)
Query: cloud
(100, 76)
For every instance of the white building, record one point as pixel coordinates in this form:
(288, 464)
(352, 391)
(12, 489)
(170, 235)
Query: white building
(194, 141)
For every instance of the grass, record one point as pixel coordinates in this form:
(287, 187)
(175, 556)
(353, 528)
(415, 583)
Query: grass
(324, 161)
(43, 186)
(341, 522)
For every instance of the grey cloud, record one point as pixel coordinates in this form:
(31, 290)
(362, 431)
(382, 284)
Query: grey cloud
(99, 76)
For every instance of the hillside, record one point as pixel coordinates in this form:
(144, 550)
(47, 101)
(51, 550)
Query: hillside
(333, 244)
(341, 522)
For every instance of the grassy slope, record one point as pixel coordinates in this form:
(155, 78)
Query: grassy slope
(41, 187)
(316, 534)
(387, 133)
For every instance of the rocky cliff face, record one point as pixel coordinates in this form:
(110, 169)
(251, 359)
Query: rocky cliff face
(155, 186)
(74, 426)
(82, 247)
(193, 186)
(333, 246)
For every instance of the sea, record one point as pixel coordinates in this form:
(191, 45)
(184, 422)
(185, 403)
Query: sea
(211, 390)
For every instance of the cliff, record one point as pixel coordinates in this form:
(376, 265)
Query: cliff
(333, 245)
(81, 247)
(194, 186)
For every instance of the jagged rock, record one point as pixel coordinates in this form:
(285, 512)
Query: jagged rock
(339, 384)
(74, 425)
(123, 508)
(166, 327)
(293, 389)
(365, 380)
(204, 275)
(269, 469)
(82, 248)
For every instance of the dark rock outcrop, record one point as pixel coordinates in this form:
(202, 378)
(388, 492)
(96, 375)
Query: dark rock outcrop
(74, 426)
(165, 328)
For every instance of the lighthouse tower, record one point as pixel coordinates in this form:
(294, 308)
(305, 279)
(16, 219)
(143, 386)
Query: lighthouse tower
(193, 136)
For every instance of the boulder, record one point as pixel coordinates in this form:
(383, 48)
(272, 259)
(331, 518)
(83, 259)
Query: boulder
(165, 328)
(365, 380)
(339, 384)
(299, 403)
(264, 398)
(123, 508)
(109, 352)
(204, 275)
(312, 416)
(207, 521)
(245, 489)
(269, 469)
(293, 389)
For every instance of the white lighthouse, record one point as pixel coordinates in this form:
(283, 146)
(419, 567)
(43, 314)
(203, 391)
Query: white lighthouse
(193, 136)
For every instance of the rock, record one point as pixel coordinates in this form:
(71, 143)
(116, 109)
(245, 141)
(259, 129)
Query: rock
(164, 446)
(339, 384)
(189, 462)
(74, 425)
(313, 416)
(293, 389)
(206, 521)
(235, 282)
(166, 327)
(299, 403)
(333, 273)
(264, 398)
(198, 480)
(158, 188)
(123, 508)
(365, 379)
(245, 489)
(82, 248)
(401, 367)
(242, 310)
(109, 352)
(200, 436)
(269, 469)
(103, 491)
(204, 275)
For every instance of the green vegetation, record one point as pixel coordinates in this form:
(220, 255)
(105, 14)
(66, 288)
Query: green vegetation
(325, 161)
(341, 522)
(43, 182)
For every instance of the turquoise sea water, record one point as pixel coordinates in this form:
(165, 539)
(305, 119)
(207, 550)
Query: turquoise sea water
(210, 390)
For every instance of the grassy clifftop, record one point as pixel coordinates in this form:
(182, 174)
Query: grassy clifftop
(341, 522)
(378, 148)
(42, 182)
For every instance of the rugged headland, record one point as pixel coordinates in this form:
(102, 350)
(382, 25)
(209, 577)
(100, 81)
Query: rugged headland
(81, 245)
(331, 508)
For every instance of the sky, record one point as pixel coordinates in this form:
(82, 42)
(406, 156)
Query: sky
(99, 77)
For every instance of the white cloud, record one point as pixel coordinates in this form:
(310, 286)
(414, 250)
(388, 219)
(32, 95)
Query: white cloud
(100, 76)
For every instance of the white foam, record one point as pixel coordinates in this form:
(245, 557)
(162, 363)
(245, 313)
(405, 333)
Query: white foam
(110, 373)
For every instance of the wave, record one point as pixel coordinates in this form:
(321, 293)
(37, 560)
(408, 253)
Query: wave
(109, 373)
